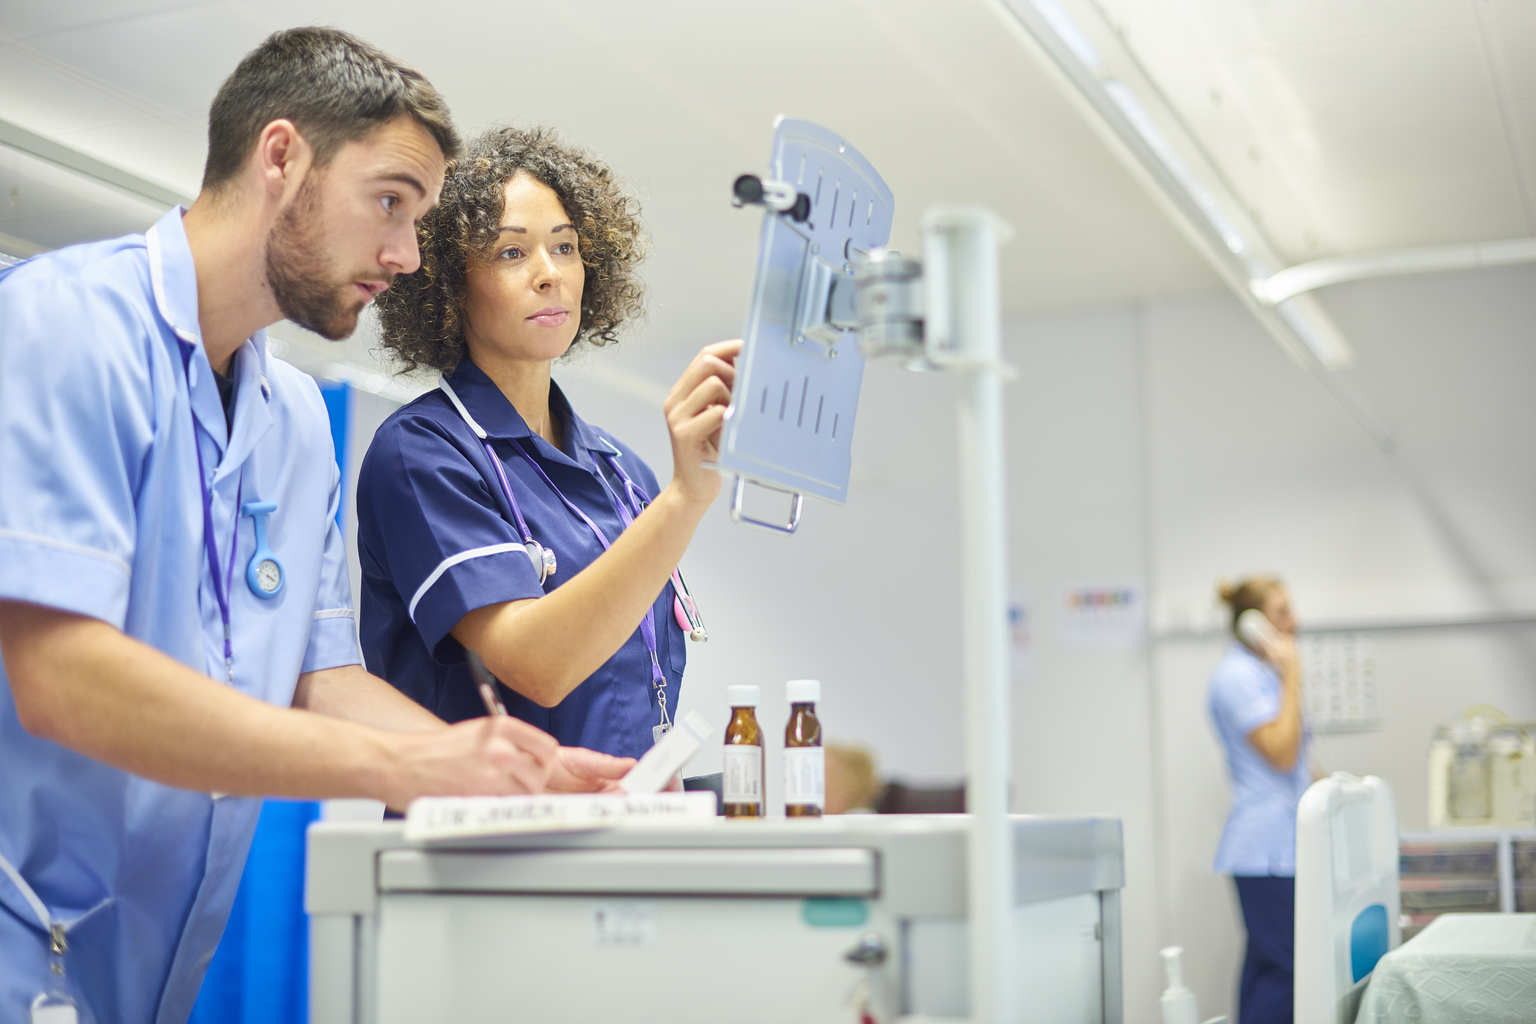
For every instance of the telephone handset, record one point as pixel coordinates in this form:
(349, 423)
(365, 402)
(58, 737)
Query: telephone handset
(1255, 629)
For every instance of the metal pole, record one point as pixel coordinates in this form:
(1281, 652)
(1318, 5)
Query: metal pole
(961, 263)
(1506, 862)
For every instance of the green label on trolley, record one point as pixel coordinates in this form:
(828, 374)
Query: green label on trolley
(834, 913)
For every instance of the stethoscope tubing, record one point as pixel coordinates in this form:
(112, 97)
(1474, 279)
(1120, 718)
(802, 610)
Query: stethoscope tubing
(544, 560)
(685, 606)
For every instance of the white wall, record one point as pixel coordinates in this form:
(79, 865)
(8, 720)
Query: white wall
(1175, 443)
(1170, 443)
(1253, 466)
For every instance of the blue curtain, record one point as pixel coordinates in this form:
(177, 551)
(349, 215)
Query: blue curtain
(260, 974)
(338, 403)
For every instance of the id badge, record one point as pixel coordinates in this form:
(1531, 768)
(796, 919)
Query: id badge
(658, 731)
(48, 1009)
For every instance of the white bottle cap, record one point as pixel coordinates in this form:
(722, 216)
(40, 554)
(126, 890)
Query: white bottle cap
(742, 696)
(802, 691)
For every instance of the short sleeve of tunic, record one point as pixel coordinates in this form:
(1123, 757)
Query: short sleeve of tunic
(437, 531)
(1240, 698)
(76, 423)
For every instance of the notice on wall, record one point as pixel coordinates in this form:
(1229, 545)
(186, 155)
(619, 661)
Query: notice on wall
(1021, 653)
(1100, 616)
(1339, 681)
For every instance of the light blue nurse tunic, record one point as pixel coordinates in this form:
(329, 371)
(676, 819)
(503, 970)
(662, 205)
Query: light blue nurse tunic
(1260, 835)
(104, 390)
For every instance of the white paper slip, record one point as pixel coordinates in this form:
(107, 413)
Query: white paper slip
(453, 817)
(667, 757)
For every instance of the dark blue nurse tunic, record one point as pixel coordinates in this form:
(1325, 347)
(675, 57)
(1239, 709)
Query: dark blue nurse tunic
(436, 539)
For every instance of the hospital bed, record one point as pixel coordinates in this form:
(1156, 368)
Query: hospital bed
(1347, 904)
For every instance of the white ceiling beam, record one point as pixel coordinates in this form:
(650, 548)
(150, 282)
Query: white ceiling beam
(76, 162)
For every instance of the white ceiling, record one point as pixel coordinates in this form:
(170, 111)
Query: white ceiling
(1345, 124)
(1351, 125)
(679, 96)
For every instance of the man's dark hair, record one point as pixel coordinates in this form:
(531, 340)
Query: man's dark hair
(334, 87)
(421, 316)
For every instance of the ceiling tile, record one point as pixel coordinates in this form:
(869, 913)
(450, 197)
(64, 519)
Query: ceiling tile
(174, 59)
(1514, 46)
(1417, 209)
(47, 100)
(1426, 140)
(1522, 123)
(1272, 199)
(1341, 78)
(1158, 27)
(1263, 24)
(1502, 12)
(19, 21)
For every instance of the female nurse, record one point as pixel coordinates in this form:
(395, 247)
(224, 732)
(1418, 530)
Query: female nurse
(491, 517)
(1255, 702)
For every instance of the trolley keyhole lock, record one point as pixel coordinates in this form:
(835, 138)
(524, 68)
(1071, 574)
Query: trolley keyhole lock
(870, 952)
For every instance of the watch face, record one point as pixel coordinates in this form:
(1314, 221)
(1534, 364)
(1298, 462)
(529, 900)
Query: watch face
(268, 575)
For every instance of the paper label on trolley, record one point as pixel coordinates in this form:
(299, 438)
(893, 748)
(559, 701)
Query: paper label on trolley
(804, 777)
(452, 817)
(624, 924)
(741, 780)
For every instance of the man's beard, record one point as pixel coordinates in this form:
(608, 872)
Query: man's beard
(300, 275)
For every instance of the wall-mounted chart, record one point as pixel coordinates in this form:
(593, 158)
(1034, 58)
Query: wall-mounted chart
(1339, 681)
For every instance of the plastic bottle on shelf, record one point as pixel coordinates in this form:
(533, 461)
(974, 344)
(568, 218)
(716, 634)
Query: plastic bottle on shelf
(741, 783)
(804, 765)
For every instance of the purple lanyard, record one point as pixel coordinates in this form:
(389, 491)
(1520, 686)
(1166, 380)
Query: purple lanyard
(220, 587)
(647, 624)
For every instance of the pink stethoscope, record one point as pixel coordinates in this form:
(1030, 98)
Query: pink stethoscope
(684, 608)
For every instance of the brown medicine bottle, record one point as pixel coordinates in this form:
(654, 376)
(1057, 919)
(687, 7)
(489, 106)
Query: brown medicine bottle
(804, 766)
(741, 782)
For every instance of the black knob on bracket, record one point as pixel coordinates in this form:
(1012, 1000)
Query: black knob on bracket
(778, 196)
(748, 190)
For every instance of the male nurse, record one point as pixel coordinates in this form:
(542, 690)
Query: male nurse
(176, 629)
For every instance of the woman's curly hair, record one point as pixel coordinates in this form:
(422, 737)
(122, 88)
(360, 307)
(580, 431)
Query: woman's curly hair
(422, 314)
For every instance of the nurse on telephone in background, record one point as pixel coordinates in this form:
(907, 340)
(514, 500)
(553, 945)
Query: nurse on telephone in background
(1255, 704)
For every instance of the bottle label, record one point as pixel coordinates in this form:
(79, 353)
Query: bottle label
(804, 777)
(742, 779)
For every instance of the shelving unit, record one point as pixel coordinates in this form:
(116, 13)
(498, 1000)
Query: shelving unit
(1465, 871)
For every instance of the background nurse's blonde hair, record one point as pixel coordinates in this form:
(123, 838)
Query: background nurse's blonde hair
(1250, 592)
(851, 781)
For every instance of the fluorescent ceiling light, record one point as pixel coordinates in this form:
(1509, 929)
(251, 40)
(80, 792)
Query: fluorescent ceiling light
(1136, 121)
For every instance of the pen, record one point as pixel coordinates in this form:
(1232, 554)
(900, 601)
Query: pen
(487, 684)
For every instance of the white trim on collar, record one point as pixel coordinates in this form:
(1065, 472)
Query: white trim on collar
(453, 397)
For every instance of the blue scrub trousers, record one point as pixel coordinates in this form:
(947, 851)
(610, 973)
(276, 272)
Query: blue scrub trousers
(1267, 991)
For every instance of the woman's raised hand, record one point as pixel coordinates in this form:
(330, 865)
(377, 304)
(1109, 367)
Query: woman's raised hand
(695, 411)
(1280, 651)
